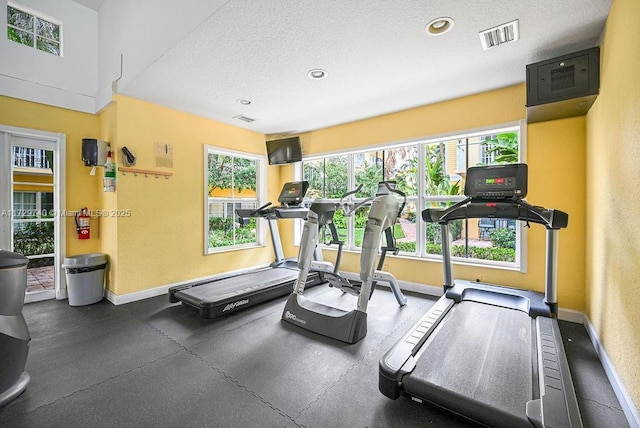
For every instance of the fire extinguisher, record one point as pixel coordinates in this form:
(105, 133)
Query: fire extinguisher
(82, 223)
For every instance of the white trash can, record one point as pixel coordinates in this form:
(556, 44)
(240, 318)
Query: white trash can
(85, 274)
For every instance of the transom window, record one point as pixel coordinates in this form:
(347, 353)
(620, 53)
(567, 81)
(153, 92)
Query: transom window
(431, 173)
(31, 28)
(233, 180)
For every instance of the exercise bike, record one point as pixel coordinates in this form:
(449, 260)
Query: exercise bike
(346, 326)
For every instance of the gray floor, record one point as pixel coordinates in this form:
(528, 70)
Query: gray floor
(155, 363)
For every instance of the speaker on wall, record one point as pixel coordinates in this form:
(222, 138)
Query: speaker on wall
(562, 87)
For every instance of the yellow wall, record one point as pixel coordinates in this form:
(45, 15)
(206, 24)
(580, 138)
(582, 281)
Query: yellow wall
(162, 241)
(613, 198)
(555, 151)
(30, 178)
(556, 157)
(108, 225)
(81, 187)
(217, 192)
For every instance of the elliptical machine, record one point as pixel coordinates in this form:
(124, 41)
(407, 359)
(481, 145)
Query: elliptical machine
(346, 326)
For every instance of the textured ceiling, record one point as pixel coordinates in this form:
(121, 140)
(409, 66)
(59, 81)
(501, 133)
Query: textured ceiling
(378, 57)
(91, 4)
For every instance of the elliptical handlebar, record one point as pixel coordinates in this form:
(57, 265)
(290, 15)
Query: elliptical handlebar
(349, 207)
(397, 192)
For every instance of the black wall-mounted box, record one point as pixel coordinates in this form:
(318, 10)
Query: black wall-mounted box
(563, 87)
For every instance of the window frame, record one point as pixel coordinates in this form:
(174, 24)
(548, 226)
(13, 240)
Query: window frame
(261, 179)
(422, 199)
(34, 32)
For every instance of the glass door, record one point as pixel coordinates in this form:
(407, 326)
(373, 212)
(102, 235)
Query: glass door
(30, 207)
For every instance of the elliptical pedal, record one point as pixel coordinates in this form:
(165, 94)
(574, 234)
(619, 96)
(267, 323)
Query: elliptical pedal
(337, 281)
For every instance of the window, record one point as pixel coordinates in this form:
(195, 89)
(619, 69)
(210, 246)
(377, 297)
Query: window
(232, 182)
(27, 157)
(431, 174)
(29, 28)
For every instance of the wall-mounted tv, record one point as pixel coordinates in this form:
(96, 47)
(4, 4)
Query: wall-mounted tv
(285, 150)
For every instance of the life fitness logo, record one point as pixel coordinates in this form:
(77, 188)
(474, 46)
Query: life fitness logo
(234, 305)
(288, 315)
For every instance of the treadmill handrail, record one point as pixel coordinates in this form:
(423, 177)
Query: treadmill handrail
(250, 212)
(508, 209)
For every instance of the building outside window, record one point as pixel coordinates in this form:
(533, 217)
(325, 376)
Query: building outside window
(431, 173)
(30, 28)
(233, 180)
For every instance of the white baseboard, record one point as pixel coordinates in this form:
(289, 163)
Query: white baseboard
(628, 406)
(138, 295)
(571, 315)
(428, 290)
(121, 299)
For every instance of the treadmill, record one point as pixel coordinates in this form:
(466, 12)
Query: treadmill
(489, 353)
(226, 295)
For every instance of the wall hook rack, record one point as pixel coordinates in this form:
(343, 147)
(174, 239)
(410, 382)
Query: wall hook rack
(146, 172)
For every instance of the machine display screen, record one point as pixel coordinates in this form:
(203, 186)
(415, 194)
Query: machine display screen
(293, 192)
(497, 181)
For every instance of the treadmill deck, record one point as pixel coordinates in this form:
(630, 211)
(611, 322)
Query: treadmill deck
(228, 295)
(487, 369)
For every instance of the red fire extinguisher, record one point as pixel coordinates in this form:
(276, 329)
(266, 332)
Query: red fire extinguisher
(82, 223)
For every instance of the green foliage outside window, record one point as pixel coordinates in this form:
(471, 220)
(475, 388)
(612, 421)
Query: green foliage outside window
(234, 174)
(30, 30)
(369, 176)
(402, 165)
(327, 177)
(504, 147)
(438, 181)
(221, 232)
(35, 239)
(227, 172)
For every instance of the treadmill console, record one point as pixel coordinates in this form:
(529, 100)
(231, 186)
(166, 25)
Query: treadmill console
(497, 182)
(293, 192)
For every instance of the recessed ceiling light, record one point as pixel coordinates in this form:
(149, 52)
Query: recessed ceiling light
(317, 73)
(243, 101)
(439, 26)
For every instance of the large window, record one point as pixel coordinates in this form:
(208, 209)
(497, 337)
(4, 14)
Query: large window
(32, 29)
(232, 182)
(431, 173)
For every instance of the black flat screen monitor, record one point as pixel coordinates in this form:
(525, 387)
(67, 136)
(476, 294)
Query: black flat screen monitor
(286, 150)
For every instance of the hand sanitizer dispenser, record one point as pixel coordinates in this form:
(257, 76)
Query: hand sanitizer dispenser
(94, 152)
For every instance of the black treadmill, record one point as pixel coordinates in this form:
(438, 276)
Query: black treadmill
(489, 353)
(226, 295)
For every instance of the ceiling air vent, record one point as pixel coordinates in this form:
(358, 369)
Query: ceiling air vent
(499, 35)
(244, 118)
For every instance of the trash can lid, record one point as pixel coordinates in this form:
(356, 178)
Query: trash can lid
(9, 259)
(85, 260)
